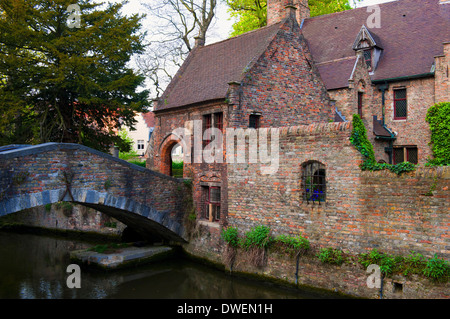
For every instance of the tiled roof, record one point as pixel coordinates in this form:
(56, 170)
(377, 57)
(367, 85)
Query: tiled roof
(207, 71)
(335, 74)
(411, 35)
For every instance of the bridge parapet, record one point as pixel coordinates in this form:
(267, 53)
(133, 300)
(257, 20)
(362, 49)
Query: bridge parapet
(49, 173)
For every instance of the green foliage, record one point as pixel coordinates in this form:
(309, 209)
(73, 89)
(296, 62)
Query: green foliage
(127, 156)
(177, 169)
(230, 236)
(108, 184)
(62, 84)
(110, 224)
(360, 140)
(139, 163)
(252, 14)
(414, 263)
(438, 117)
(386, 262)
(125, 144)
(293, 245)
(48, 207)
(177, 165)
(257, 237)
(331, 256)
(437, 269)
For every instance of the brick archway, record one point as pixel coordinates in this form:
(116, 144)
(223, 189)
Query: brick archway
(166, 153)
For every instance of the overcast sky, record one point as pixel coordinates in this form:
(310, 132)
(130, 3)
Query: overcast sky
(222, 24)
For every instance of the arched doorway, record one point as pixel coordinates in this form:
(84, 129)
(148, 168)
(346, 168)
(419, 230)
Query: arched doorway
(172, 158)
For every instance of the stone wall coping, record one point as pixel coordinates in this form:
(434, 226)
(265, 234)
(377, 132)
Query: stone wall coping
(316, 128)
(49, 147)
(441, 172)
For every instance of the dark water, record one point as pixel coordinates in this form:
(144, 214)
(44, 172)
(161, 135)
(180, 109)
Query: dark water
(34, 267)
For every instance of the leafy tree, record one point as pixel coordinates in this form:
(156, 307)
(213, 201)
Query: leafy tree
(68, 83)
(252, 14)
(177, 25)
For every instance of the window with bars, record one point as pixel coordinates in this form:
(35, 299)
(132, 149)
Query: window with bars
(211, 199)
(368, 59)
(314, 182)
(400, 104)
(406, 154)
(254, 121)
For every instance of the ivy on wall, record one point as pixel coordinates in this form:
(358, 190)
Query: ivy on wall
(438, 117)
(360, 140)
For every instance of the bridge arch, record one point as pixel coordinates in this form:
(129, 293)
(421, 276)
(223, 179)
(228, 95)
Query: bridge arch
(147, 201)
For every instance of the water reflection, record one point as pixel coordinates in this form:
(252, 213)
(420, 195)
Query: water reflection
(34, 267)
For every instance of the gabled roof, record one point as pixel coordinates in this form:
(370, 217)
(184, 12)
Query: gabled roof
(412, 33)
(207, 71)
(365, 34)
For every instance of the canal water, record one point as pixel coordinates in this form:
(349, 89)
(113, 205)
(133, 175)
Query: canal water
(34, 267)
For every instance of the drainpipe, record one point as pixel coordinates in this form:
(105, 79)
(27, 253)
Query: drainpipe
(383, 89)
(381, 287)
(296, 270)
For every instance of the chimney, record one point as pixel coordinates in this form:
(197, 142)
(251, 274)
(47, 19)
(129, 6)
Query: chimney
(278, 10)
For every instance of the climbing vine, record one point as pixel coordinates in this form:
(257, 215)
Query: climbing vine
(438, 117)
(360, 140)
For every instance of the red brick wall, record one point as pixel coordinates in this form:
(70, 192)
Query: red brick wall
(283, 85)
(442, 77)
(276, 10)
(363, 210)
(413, 131)
(200, 173)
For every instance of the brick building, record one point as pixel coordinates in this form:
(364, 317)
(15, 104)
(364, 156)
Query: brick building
(304, 71)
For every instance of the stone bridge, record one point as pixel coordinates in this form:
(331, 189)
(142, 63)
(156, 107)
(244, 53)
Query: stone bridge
(147, 201)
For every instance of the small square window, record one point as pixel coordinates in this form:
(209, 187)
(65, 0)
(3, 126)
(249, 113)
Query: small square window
(406, 154)
(140, 144)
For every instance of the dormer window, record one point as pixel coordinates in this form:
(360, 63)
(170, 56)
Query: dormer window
(368, 58)
(369, 45)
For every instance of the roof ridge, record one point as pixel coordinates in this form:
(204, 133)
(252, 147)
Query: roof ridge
(243, 34)
(358, 8)
(353, 57)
